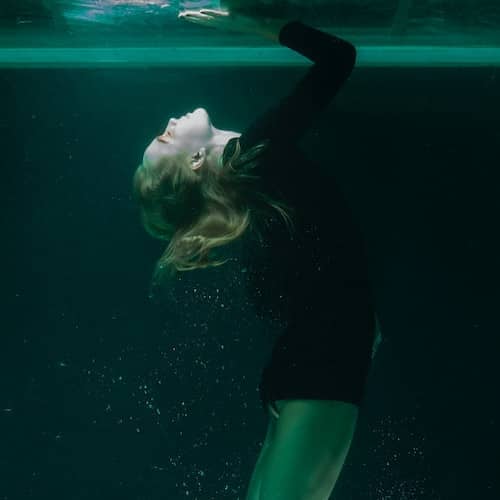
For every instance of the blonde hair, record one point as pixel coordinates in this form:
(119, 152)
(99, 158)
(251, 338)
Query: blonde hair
(198, 211)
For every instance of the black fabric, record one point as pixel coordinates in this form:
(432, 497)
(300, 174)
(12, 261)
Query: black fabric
(316, 280)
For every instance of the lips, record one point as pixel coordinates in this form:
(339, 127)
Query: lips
(165, 136)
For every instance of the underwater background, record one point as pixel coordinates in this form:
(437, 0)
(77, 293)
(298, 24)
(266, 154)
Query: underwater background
(107, 393)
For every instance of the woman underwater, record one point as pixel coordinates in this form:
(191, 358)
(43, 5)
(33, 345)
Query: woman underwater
(200, 187)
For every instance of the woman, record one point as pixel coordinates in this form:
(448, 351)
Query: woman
(200, 188)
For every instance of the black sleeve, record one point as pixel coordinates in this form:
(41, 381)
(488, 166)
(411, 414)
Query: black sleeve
(333, 58)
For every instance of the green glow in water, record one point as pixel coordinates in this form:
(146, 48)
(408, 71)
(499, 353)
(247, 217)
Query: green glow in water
(403, 56)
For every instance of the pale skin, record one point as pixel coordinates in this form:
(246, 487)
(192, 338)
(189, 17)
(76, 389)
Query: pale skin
(308, 440)
(194, 134)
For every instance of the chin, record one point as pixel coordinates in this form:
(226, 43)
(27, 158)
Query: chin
(201, 110)
(202, 120)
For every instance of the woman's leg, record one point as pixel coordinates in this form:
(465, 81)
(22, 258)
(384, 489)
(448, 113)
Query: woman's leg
(253, 492)
(308, 450)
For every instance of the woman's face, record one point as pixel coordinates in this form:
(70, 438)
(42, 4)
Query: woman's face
(185, 134)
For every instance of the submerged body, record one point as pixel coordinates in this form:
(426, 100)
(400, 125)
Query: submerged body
(316, 278)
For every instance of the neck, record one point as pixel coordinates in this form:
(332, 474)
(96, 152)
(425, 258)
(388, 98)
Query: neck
(221, 137)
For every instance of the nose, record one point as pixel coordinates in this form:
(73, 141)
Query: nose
(171, 123)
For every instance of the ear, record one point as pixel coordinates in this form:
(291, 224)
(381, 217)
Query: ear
(198, 159)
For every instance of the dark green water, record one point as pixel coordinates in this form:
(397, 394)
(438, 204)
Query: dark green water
(106, 394)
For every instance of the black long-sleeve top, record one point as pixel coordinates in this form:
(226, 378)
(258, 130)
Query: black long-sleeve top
(322, 270)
